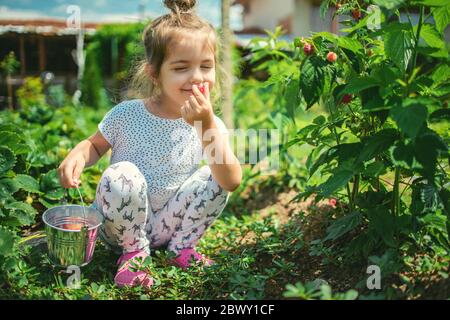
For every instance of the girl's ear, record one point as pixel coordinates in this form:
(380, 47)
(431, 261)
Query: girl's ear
(150, 70)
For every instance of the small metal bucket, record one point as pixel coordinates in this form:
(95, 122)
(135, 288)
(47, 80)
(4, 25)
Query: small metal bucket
(71, 247)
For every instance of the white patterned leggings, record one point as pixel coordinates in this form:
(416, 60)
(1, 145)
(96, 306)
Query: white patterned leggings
(130, 224)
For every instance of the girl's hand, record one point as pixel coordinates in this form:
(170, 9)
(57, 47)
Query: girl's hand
(198, 107)
(70, 169)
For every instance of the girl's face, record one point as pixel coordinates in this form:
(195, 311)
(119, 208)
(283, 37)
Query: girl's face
(189, 61)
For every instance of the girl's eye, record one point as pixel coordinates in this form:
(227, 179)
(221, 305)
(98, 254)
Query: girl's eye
(184, 68)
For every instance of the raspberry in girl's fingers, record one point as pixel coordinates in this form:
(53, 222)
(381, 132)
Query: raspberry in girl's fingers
(201, 87)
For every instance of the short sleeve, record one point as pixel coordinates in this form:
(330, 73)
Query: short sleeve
(110, 125)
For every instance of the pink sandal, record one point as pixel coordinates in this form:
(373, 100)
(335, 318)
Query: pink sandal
(185, 255)
(128, 278)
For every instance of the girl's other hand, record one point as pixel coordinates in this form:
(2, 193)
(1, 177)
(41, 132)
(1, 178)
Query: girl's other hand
(69, 171)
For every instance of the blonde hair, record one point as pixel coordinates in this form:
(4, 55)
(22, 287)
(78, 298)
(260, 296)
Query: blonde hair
(159, 34)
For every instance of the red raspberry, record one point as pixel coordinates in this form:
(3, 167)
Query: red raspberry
(308, 49)
(201, 87)
(332, 202)
(346, 99)
(331, 56)
(356, 14)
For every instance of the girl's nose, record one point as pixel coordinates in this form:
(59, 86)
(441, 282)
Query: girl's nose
(197, 77)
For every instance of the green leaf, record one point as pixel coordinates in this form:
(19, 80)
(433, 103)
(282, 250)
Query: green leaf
(441, 114)
(350, 44)
(389, 4)
(343, 225)
(9, 186)
(430, 3)
(402, 155)
(441, 74)
(377, 144)
(338, 180)
(13, 141)
(311, 80)
(434, 40)
(427, 148)
(292, 97)
(23, 212)
(319, 120)
(51, 186)
(399, 44)
(442, 17)
(323, 158)
(326, 35)
(6, 242)
(431, 36)
(374, 169)
(347, 152)
(357, 84)
(410, 117)
(383, 224)
(324, 8)
(372, 101)
(27, 183)
(7, 160)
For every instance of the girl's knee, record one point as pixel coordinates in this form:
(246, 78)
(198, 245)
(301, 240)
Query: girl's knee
(123, 177)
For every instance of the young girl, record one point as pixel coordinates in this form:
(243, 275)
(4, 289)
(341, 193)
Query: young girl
(154, 193)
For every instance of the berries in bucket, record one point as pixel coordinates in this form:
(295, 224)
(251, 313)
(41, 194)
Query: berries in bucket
(72, 226)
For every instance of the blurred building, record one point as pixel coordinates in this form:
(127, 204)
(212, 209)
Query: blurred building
(39, 46)
(297, 17)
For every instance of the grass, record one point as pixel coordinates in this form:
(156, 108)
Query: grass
(238, 274)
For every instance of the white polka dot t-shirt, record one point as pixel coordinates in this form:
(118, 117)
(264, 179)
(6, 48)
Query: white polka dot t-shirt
(167, 151)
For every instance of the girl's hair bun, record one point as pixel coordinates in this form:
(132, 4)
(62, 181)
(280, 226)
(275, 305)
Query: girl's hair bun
(180, 5)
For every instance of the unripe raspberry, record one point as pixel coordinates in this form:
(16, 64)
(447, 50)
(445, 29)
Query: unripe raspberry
(331, 56)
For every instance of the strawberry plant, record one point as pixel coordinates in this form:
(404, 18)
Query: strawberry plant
(34, 140)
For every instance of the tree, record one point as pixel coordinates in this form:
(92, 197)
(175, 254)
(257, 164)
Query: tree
(9, 65)
(227, 91)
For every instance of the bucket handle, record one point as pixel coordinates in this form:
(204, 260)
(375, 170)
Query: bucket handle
(64, 202)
